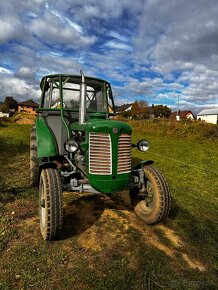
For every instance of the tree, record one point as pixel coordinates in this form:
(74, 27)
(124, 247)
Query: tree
(127, 114)
(9, 105)
(138, 109)
(142, 105)
(11, 102)
(161, 111)
(4, 108)
(135, 110)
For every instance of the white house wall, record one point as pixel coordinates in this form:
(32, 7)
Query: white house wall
(190, 116)
(128, 109)
(208, 118)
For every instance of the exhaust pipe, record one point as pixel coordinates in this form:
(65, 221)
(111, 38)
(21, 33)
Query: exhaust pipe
(82, 108)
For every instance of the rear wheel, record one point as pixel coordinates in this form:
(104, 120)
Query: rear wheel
(155, 205)
(34, 167)
(50, 204)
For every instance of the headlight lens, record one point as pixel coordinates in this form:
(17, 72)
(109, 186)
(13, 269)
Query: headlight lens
(143, 145)
(71, 145)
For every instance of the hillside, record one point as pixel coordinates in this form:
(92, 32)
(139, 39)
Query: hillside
(104, 245)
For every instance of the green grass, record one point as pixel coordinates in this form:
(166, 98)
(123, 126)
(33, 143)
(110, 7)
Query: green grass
(104, 245)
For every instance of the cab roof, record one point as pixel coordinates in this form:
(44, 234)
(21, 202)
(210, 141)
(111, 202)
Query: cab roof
(73, 79)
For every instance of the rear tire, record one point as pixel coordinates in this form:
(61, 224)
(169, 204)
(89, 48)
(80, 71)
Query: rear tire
(50, 204)
(34, 167)
(155, 207)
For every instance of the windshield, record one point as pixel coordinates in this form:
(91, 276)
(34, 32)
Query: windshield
(98, 95)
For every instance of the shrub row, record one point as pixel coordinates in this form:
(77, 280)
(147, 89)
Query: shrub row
(188, 129)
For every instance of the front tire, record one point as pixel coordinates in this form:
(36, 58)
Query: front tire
(50, 204)
(155, 206)
(34, 167)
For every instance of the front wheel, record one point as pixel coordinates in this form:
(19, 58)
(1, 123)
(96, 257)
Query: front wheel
(154, 206)
(50, 204)
(34, 167)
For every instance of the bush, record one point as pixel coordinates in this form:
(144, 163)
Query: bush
(185, 129)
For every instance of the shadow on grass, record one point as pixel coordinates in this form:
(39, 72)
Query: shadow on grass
(82, 213)
(199, 232)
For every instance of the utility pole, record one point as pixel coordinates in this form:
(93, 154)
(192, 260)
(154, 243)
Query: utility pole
(178, 116)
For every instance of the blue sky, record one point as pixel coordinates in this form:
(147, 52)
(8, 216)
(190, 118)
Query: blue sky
(148, 49)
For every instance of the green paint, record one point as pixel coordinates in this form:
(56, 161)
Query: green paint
(106, 184)
(97, 122)
(46, 143)
(61, 99)
(115, 182)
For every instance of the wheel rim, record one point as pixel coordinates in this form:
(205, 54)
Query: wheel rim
(150, 199)
(42, 206)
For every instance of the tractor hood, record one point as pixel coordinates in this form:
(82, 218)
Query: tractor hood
(100, 125)
(108, 154)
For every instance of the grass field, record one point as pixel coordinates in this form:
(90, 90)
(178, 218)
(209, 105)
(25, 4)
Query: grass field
(104, 245)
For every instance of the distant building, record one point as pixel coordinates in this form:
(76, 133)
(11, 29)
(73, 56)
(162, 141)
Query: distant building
(124, 108)
(28, 106)
(182, 115)
(209, 116)
(4, 115)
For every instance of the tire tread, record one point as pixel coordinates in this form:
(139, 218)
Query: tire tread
(54, 202)
(163, 208)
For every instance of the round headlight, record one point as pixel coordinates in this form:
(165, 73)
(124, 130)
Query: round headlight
(71, 145)
(143, 145)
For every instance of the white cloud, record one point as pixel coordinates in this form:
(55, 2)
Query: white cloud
(118, 45)
(19, 89)
(10, 29)
(147, 49)
(26, 72)
(4, 70)
(66, 20)
(118, 36)
(51, 30)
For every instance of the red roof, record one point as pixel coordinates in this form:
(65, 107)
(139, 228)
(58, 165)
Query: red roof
(182, 114)
(30, 103)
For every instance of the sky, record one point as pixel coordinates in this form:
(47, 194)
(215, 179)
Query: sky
(163, 52)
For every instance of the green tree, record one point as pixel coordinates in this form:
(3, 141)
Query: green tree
(161, 111)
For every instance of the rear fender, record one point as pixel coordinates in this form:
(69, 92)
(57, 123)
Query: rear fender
(46, 142)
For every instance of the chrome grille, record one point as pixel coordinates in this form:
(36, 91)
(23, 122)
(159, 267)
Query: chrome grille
(124, 154)
(100, 155)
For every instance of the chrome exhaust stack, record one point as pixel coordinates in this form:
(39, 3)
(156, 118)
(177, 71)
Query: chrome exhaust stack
(82, 108)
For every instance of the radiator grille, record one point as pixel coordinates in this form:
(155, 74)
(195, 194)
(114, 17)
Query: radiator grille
(124, 154)
(100, 155)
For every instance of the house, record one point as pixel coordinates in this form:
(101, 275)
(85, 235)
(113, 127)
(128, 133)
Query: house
(28, 106)
(209, 116)
(4, 115)
(182, 115)
(124, 108)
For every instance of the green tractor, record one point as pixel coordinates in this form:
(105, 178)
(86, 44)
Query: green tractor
(76, 145)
